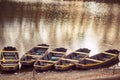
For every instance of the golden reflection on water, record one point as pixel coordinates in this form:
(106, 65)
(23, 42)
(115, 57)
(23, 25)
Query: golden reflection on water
(91, 41)
(71, 25)
(98, 9)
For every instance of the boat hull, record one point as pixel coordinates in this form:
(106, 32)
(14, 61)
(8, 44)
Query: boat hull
(68, 61)
(27, 63)
(32, 55)
(44, 68)
(102, 64)
(64, 67)
(9, 68)
(48, 61)
(9, 59)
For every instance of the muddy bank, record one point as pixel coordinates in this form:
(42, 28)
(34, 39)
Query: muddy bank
(95, 74)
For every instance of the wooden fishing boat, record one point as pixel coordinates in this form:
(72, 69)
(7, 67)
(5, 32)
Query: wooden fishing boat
(48, 60)
(67, 62)
(38, 51)
(9, 59)
(104, 59)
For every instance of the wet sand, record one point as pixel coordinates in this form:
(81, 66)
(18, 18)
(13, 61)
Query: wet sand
(94, 74)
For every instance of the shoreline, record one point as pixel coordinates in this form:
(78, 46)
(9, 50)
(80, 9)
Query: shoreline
(93, 74)
(99, 1)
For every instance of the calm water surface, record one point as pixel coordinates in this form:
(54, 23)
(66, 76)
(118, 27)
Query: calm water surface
(71, 25)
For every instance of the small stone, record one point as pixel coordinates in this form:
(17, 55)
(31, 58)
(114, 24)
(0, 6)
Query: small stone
(15, 73)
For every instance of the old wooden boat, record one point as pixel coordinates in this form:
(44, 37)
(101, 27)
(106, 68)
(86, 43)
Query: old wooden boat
(38, 51)
(67, 62)
(103, 59)
(9, 59)
(48, 60)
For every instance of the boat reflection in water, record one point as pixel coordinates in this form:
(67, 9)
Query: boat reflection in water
(61, 24)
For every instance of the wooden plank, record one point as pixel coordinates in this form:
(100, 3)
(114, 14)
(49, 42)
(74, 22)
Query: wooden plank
(93, 60)
(43, 46)
(9, 60)
(10, 65)
(81, 52)
(36, 56)
(69, 59)
(57, 52)
(46, 61)
(109, 53)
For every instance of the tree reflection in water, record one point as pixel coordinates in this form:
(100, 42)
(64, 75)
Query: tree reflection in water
(69, 24)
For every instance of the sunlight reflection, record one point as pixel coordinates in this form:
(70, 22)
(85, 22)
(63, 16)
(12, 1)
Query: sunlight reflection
(93, 7)
(59, 34)
(43, 32)
(11, 38)
(98, 9)
(91, 41)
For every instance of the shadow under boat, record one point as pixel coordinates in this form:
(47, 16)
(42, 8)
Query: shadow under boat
(9, 59)
(48, 60)
(67, 62)
(30, 57)
(104, 59)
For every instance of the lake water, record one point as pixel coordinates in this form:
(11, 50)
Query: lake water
(72, 25)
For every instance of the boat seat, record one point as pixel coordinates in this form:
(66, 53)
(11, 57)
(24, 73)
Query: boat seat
(81, 52)
(69, 60)
(57, 52)
(109, 53)
(46, 61)
(93, 60)
(42, 46)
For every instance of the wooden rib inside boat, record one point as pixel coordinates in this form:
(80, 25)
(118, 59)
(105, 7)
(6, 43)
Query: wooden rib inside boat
(67, 62)
(9, 59)
(104, 59)
(38, 51)
(48, 60)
